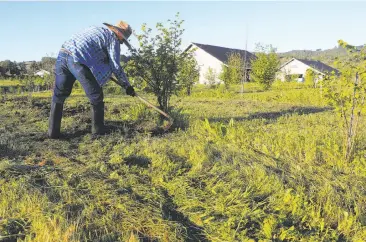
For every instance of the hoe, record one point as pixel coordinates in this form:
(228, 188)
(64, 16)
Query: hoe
(150, 105)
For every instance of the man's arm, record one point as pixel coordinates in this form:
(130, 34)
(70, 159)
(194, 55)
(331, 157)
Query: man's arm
(114, 52)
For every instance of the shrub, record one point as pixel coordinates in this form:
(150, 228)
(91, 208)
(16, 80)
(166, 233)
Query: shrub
(265, 66)
(211, 78)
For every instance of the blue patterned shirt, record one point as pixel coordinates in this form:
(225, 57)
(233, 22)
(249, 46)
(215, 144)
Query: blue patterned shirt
(99, 49)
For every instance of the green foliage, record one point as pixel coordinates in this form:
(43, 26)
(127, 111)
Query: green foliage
(233, 72)
(110, 88)
(47, 63)
(34, 67)
(135, 78)
(11, 82)
(158, 60)
(49, 81)
(188, 73)
(39, 81)
(265, 66)
(10, 67)
(211, 77)
(310, 80)
(347, 94)
(292, 78)
(20, 69)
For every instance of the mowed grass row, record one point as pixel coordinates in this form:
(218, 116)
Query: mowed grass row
(9, 83)
(262, 165)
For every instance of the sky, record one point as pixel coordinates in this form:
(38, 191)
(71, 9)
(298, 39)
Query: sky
(32, 30)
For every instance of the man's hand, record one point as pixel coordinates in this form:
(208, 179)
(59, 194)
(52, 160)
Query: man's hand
(130, 91)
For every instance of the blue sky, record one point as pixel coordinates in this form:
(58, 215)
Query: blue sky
(30, 30)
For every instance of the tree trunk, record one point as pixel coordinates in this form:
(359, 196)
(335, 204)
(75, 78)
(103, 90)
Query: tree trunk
(189, 90)
(163, 101)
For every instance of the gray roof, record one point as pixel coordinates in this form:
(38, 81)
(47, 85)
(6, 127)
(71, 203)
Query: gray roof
(319, 66)
(125, 58)
(222, 53)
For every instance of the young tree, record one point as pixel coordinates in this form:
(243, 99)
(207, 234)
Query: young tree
(310, 78)
(33, 67)
(28, 83)
(233, 72)
(158, 59)
(211, 77)
(347, 94)
(22, 68)
(49, 81)
(188, 74)
(39, 82)
(48, 63)
(265, 66)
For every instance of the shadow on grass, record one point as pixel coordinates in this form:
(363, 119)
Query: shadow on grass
(74, 134)
(14, 229)
(170, 212)
(274, 115)
(140, 161)
(74, 110)
(36, 177)
(14, 144)
(7, 152)
(78, 132)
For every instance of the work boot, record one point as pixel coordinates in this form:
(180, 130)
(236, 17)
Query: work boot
(98, 119)
(54, 124)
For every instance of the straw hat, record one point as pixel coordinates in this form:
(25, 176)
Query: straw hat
(122, 30)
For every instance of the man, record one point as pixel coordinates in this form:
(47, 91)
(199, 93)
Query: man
(89, 57)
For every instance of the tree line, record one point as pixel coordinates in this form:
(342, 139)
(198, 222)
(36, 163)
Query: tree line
(24, 73)
(10, 68)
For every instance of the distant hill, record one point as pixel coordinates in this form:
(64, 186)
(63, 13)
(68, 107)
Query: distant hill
(327, 56)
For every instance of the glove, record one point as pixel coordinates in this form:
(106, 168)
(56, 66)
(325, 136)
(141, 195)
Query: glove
(130, 91)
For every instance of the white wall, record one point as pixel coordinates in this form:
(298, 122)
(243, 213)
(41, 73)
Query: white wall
(296, 67)
(204, 61)
(293, 67)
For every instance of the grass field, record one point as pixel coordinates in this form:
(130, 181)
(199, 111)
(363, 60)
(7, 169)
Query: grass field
(257, 166)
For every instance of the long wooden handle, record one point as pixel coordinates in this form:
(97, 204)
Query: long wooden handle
(154, 107)
(147, 103)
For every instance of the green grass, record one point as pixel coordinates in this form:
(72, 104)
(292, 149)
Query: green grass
(258, 166)
(10, 83)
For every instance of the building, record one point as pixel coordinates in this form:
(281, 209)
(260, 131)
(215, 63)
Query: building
(214, 57)
(41, 73)
(298, 67)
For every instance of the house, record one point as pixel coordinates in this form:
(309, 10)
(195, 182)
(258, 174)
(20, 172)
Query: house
(214, 57)
(125, 58)
(298, 67)
(41, 73)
